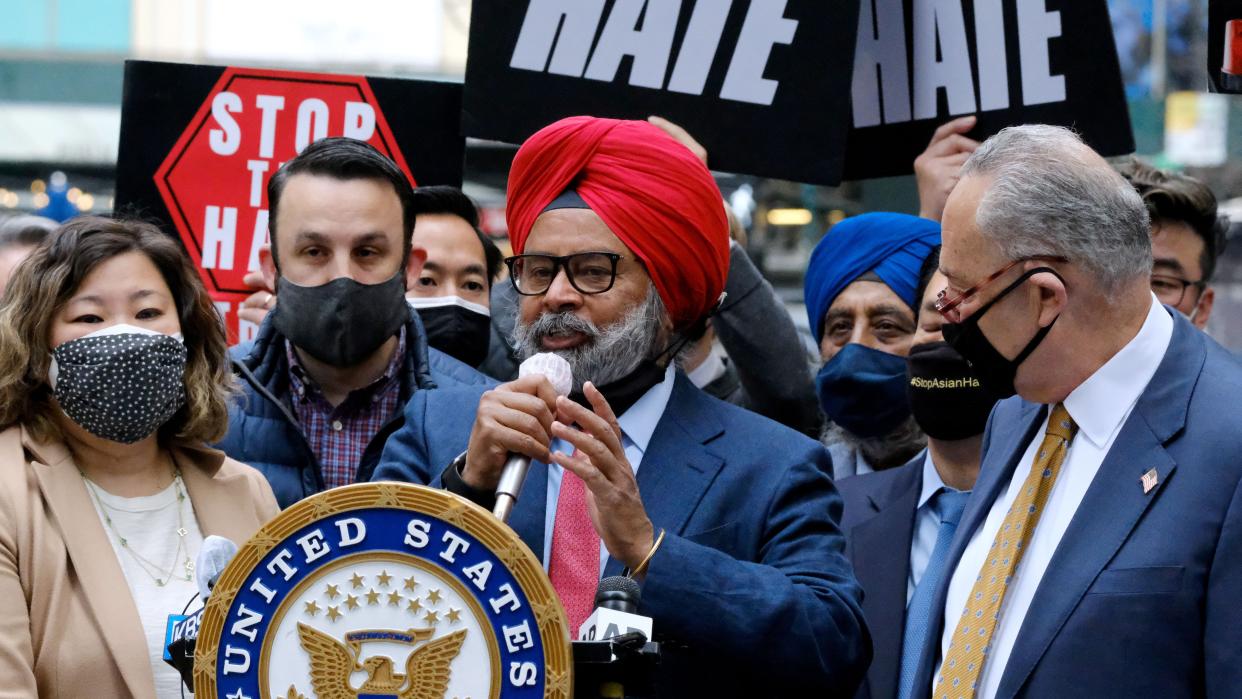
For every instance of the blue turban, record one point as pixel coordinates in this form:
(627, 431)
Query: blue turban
(893, 246)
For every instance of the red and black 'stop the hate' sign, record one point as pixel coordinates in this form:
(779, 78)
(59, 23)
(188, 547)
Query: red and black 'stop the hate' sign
(763, 84)
(199, 143)
(921, 63)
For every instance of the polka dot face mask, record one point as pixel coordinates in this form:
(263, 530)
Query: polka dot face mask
(120, 383)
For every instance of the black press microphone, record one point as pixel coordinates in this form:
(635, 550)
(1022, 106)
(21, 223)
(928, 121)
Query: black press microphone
(612, 657)
(556, 369)
(616, 611)
(181, 636)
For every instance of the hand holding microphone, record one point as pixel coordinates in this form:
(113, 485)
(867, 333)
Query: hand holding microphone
(513, 426)
(521, 418)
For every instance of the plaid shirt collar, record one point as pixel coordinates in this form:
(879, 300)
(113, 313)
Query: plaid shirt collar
(338, 435)
(304, 386)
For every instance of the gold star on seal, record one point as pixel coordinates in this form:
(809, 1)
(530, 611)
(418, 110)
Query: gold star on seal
(432, 618)
(357, 581)
(384, 577)
(411, 583)
(312, 608)
(394, 599)
(414, 606)
(454, 615)
(334, 613)
(373, 597)
(433, 596)
(351, 602)
(332, 591)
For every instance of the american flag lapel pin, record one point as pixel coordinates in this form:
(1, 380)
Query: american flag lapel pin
(1149, 480)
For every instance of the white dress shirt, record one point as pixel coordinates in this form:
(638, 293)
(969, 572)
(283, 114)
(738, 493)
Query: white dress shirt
(637, 425)
(926, 526)
(710, 369)
(1099, 406)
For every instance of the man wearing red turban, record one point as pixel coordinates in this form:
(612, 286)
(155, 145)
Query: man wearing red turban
(727, 519)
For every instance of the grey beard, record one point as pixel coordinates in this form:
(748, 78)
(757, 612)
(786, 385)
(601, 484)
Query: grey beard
(887, 451)
(610, 353)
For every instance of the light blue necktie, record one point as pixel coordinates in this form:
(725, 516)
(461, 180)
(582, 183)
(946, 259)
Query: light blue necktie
(948, 505)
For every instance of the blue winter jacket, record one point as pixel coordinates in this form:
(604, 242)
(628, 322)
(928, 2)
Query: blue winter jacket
(264, 432)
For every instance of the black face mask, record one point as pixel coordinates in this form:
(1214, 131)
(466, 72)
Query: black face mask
(948, 402)
(342, 322)
(623, 393)
(118, 385)
(993, 370)
(455, 326)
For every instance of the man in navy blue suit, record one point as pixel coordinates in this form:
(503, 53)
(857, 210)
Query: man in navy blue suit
(899, 522)
(728, 519)
(1101, 552)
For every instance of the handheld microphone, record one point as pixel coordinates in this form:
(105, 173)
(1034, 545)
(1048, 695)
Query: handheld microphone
(181, 632)
(213, 558)
(557, 370)
(616, 611)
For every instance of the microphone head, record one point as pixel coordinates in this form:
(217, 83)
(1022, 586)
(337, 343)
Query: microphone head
(552, 366)
(213, 558)
(618, 592)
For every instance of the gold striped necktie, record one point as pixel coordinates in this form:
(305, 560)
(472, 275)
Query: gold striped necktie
(972, 639)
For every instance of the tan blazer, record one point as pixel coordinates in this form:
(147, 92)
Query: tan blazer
(68, 624)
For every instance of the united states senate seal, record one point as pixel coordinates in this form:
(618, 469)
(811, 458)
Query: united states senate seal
(383, 590)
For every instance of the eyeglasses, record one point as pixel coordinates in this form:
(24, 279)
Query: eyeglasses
(588, 272)
(1171, 290)
(950, 309)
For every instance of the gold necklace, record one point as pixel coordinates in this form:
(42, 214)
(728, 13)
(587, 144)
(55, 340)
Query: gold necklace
(161, 576)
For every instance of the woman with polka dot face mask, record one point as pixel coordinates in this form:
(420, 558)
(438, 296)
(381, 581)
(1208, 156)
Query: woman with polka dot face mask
(113, 377)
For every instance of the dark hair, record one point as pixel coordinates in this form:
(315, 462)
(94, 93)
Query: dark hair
(1172, 196)
(930, 265)
(343, 159)
(48, 278)
(25, 230)
(441, 199)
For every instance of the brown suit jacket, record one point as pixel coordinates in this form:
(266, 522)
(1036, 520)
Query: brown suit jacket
(68, 623)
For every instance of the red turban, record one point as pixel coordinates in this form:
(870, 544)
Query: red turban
(650, 190)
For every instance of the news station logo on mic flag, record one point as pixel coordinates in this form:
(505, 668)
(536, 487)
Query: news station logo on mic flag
(383, 590)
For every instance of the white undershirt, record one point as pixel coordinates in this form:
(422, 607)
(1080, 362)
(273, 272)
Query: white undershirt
(149, 525)
(1099, 406)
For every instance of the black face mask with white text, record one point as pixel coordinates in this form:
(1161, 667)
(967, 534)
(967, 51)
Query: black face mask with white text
(948, 402)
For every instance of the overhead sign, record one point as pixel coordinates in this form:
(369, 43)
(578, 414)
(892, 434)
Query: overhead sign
(1196, 129)
(920, 63)
(763, 84)
(199, 143)
(384, 590)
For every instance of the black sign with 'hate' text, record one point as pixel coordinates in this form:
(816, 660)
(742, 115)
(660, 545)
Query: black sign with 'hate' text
(763, 84)
(920, 63)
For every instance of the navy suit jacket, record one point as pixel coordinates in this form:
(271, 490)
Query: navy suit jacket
(879, 528)
(1142, 597)
(752, 577)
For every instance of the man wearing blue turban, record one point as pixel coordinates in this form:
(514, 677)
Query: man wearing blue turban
(860, 301)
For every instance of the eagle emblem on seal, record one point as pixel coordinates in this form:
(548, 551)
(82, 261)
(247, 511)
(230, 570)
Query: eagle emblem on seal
(427, 668)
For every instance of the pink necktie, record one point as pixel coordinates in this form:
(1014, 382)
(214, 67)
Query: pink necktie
(574, 567)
